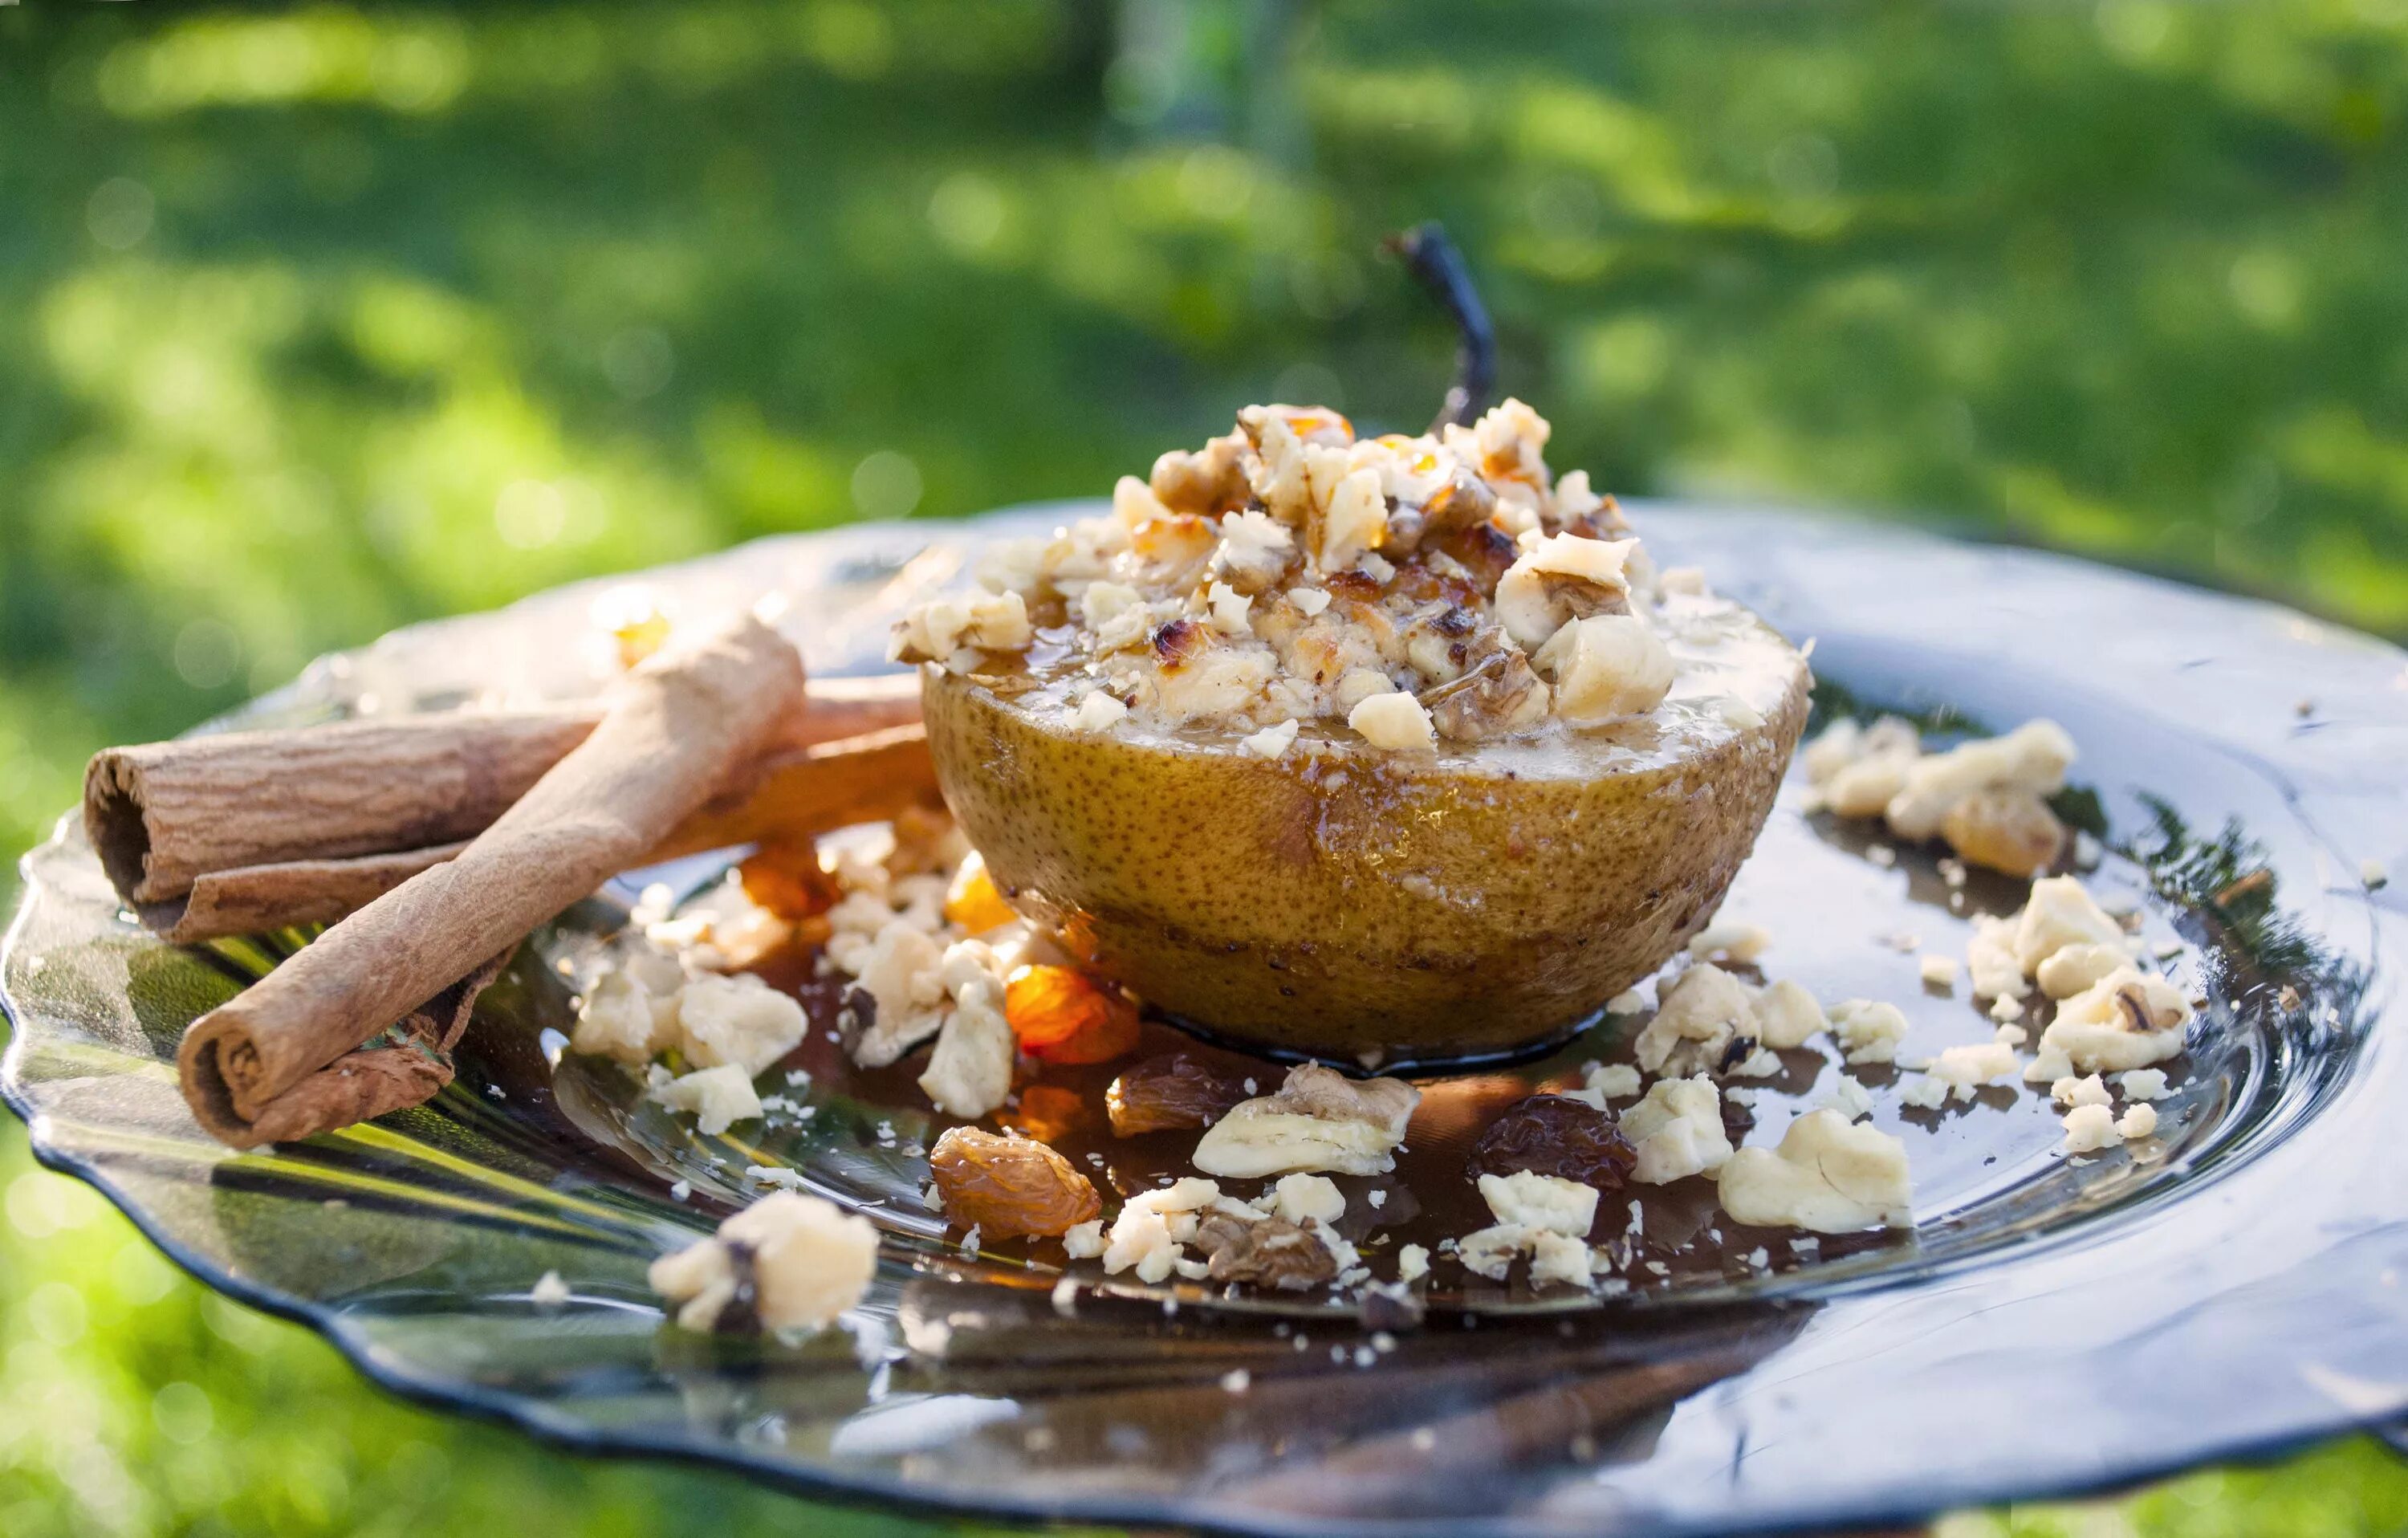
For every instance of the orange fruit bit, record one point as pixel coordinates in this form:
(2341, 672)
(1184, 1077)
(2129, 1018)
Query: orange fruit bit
(787, 879)
(640, 638)
(1060, 1016)
(1306, 423)
(974, 902)
(1048, 1112)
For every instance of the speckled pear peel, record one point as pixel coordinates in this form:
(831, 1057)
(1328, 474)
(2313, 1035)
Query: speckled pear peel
(1360, 901)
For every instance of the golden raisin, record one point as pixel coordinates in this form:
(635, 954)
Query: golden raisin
(2013, 831)
(1004, 1186)
(1173, 1091)
(1059, 1015)
(786, 878)
(974, 901)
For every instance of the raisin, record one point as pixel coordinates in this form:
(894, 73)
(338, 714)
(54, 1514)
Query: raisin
(1058, 1015)
(1174, 1091)
(1175, 642)
(1269, 1252)
(1003, 1186)
(786, 878)
(1553, 1135)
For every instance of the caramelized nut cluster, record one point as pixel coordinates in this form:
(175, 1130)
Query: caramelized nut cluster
(1408, 590)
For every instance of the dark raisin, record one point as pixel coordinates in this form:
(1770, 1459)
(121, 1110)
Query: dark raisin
(1177, 641)
(1175, 1091)
(1552, 1135)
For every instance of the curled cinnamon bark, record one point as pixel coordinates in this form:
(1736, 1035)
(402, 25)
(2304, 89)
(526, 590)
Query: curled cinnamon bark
(798, 793)
(662, 748)
(363, 1085)
(241, 832)
(165, 814)
(256, 899)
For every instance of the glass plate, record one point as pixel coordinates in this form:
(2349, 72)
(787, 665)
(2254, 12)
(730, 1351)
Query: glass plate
(2053, 1324)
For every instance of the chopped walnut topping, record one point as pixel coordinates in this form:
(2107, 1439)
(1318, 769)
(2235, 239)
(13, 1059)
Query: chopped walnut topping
(1678, 1131)
(1987, 797)
(1289, 570)
(1318, 1120)
(1394, 721)
(1272, 1252)
(1541, 1201)
(1828, 1177)
(1562, 578)
(2126, 1020)
(1704, 1012)
(1606, 667)
(786, 1262)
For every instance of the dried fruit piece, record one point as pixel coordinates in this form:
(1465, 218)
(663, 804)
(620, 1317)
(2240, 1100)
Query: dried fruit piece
(974, 901)
(1555, 1135)
(1060, 1016)
(1173, 1091)
(641, 636)
(2008, 830)
(1268, 1252)
(926, 842)
(786, 878)
(1003, 1186)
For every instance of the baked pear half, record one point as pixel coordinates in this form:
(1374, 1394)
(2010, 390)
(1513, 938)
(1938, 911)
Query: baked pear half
(1352, 902)
(1377, 750)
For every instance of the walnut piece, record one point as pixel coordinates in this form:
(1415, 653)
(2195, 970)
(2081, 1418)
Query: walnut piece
(1268, 1252)
(789, 1261)
(1828, 1177)
(1318, 1120)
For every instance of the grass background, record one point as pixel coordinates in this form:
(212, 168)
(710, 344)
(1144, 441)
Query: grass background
(321, 319)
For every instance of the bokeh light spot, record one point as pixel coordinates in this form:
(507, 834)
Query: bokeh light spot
(530, 514)
(120, 213)
(886, 485)
(206, 654)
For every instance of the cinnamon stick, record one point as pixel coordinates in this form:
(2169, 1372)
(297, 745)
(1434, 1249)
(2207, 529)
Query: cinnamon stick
(363, 1085)
(250, 1069)
(256, 899)
(165, 816)
(798, 794)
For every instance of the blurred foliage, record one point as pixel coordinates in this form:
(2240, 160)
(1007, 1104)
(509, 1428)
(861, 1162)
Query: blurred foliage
(317, 320)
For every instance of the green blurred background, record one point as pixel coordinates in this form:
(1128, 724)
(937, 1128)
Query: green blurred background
(314, 320)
